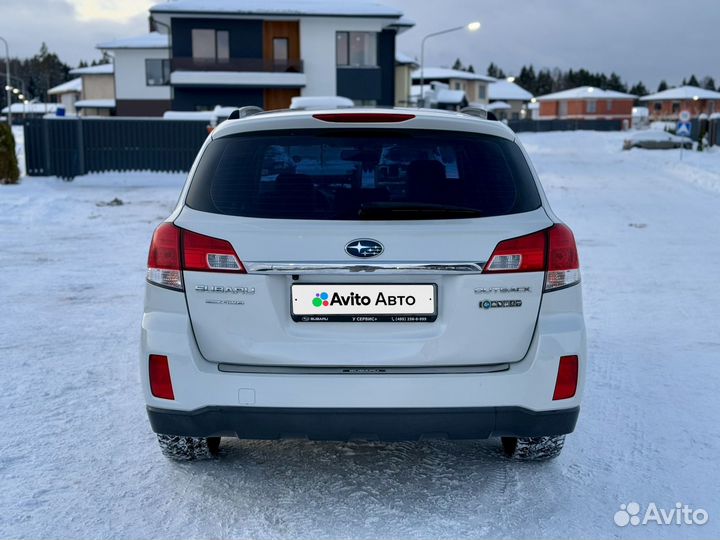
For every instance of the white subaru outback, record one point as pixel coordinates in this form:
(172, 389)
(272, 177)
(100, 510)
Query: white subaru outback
(363, 274)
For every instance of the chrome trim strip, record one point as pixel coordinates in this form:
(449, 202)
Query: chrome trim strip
(356, 268)
(360, 370)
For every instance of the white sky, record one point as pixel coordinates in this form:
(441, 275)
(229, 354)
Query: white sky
(640, 39)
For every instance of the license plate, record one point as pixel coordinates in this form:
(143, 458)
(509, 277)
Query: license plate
(364, 303)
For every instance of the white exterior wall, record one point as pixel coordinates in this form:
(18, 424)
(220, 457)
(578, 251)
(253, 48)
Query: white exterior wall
(130, 74)
(317, 49)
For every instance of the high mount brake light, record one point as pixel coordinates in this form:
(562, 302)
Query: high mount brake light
(552, 251)
(173, 250)
(363, 117)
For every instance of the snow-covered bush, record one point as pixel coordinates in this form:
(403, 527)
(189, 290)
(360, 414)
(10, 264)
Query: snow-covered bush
(9, 172)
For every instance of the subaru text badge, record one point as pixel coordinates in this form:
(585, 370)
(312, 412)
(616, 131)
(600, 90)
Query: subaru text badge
(364, 248)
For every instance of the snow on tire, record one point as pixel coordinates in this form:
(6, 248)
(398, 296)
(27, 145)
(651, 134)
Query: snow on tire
(533, 448)
(180, 448)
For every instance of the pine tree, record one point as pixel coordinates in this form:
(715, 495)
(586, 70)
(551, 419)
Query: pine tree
(458, 65)
(639, 90)
(708, 83)
(470, 69)
(662, 86)
(527, 79)
(9, 173)
(693, 81)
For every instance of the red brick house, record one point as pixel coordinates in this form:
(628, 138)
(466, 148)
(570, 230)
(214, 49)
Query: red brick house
(666, 105)
(586, 103)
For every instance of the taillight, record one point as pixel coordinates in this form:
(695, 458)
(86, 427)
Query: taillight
(208, 254)
(567, 378)
(173, 250)
(552, 251)
(563, 262)
(522, 254)
(164, 266)
(160, 382)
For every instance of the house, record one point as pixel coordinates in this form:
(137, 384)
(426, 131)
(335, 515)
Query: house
(587, 103)
(404, 67)
(251, 52)
(437, 95)
(67, 93)
(97, 97)
(475, 86)
(667, 104)
(142, 74)
(508, 100)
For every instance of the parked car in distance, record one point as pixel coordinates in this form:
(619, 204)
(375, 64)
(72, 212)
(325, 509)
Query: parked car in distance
(656, 140)
(363, 273)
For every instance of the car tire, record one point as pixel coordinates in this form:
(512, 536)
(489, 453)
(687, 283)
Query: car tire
(533, 448)
(178, 448)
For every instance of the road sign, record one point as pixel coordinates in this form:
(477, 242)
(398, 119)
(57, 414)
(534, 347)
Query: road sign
(683, 129)
(684, 116)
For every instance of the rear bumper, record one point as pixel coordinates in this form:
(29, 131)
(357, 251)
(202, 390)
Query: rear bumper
(372, 424)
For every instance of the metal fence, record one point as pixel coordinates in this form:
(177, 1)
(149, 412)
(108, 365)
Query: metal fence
(565, 125)
(69, 147)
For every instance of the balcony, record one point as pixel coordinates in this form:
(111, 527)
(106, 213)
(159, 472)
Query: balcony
(236, 64)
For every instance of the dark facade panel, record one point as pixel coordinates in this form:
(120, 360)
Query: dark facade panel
(386, 61)
(246, 36)
(360, 83)
(192, 98)
(142, 107)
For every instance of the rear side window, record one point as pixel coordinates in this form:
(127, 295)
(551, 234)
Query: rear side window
(363, 175)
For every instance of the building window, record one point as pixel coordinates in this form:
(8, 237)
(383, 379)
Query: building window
(210, 44)
(657, 106)
(356, 49)
(563, 109)
(676, 107)
(609, 105)
(280, 49)
(592, 106)
(481, 92)
(157, 72)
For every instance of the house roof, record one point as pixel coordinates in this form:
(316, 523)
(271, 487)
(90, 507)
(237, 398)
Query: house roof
(73, 85)
(100, 69)
(95, 104)
(682, 92)
(451, 97)
(346, 8)
(498, 106)
(438, 73)
(31, 108)
(402, 58)
(585, 92)
(153, 40)
(506, 90)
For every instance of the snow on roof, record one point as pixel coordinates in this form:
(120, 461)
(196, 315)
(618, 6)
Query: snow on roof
(358, 8)
(452, 97)
(506, 90)
(498, 106)
(31, 108)
(74, 85)
(585, 92)
(436, 73)
(153, 40)
(320, 102)
(402, 58)
(100, 69)
(682, 92)
(95, 104)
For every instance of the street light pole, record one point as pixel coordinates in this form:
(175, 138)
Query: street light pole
(7, 81)
(472, 27)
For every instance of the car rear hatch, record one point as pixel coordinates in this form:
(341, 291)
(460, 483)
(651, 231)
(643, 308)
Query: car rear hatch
(361, 248)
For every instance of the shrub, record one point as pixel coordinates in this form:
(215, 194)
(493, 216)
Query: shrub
(9, 172)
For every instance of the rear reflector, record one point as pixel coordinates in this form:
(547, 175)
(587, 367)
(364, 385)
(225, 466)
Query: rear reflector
(164, 267)
(363, 117)
(160, 382)
(522, 254)
(567, 378)
(207, 254)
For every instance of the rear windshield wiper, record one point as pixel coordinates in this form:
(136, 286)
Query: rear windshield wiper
(413, 210)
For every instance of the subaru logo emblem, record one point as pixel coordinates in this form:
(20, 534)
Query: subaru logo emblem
(364, 248)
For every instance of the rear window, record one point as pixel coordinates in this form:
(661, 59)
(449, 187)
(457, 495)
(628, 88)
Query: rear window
(363, 175)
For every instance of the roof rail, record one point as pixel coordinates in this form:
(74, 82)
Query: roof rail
(479, 112)
(244, 112)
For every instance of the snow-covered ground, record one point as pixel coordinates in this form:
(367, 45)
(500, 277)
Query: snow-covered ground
(78, 459)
